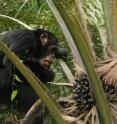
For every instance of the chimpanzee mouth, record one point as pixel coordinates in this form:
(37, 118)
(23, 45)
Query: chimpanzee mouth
(47, 63)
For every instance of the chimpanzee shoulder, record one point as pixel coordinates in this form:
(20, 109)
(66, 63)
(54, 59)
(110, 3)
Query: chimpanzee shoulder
(21, 36)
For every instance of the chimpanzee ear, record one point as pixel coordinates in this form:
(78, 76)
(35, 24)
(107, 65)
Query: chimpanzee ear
(44, 38)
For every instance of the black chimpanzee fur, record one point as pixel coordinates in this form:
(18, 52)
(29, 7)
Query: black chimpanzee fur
(37, 49)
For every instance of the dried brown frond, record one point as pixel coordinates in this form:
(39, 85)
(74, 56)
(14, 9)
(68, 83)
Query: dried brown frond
(80, 106)
(72, 115)
(73, 111)
(107, 71)
(111, 53)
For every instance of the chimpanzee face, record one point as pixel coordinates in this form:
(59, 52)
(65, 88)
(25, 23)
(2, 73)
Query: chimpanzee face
(49, 49)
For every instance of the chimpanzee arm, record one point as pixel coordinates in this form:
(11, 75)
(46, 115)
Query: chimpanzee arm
(43, 74)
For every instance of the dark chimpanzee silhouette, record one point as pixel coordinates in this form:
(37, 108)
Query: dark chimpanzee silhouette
(37, 49)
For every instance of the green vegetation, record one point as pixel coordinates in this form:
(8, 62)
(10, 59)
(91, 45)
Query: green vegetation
(83, 27)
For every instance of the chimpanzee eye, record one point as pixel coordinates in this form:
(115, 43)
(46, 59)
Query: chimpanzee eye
(53, 49)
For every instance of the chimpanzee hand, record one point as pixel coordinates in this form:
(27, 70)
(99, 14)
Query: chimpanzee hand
(31, 60)
(61, 53)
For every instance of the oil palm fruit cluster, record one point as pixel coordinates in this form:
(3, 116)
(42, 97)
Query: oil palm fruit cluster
(83, 94)
(110, 91)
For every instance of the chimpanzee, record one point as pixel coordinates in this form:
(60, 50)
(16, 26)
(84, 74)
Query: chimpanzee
(37, 50)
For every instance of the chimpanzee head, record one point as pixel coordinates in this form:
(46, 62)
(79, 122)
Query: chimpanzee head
(49, 48)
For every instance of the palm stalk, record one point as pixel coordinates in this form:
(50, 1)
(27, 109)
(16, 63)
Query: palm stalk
(108, 18)
(65, 32)
(114, 26)
(69, 13)
(95, 17)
